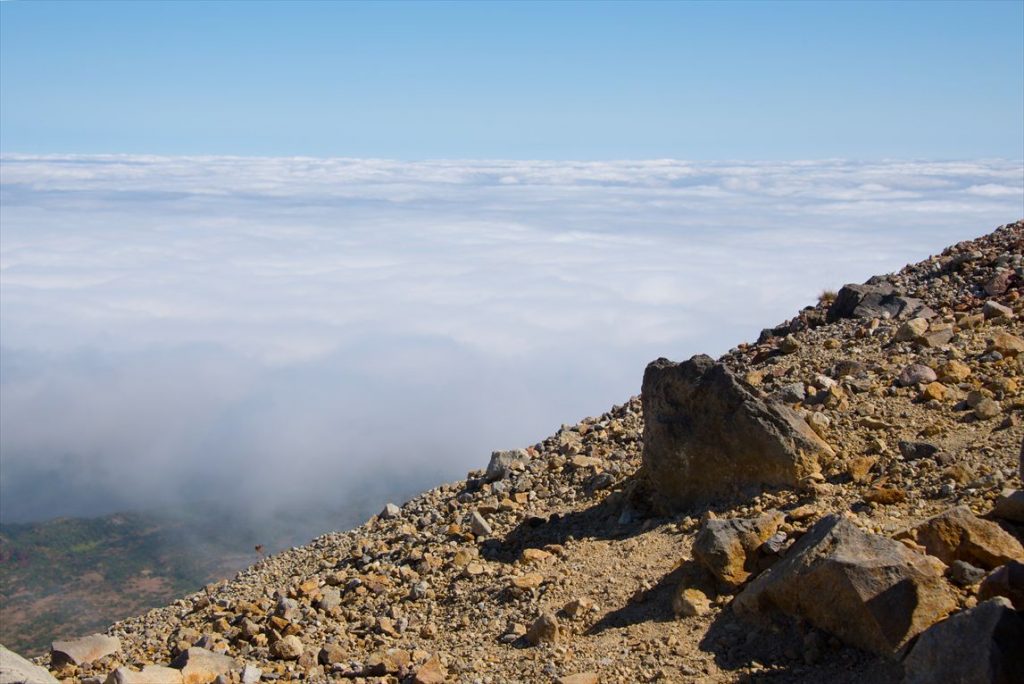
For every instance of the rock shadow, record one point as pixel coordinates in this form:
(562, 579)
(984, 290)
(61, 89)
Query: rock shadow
(611, 518)
(652, 605)
(623, 514)
(778, 648)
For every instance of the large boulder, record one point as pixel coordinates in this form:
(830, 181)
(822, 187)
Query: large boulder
(16, 670)
(707, 435)
(729, 548)
(83, 650)
(958, 534)
(983, 645)
(201, 666)
(875, 300)
(868, 590)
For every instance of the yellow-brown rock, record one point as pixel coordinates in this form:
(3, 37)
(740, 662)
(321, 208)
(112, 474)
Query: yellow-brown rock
(958, 534)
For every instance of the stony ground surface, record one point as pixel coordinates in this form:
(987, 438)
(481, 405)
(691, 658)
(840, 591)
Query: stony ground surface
(446, 587)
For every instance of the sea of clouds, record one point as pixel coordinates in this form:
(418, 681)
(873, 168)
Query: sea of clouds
(274, 333)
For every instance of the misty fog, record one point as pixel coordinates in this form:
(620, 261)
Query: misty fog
(295, 334)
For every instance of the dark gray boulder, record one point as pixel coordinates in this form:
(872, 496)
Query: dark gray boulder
(875, 300)
(708, 435)
(982, 645)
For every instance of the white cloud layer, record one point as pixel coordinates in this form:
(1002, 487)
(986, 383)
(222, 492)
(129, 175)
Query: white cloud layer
(274, 329)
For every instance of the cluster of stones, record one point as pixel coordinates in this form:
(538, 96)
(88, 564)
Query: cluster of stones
(839, 500)
(396, 588)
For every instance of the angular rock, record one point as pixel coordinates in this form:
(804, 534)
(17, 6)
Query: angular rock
(1010, 506)
(83, 650)
(330, 598)
(286, 608)
(936, 338)
(954, 371)
(996, 310)
(982, 645)
(200, 666)
(1006, 344)
(16, 670)
(999, 283)
(964, 574)
(933, 391)
(430, 672)
(478, 525)
(544, 629)
(789, 345)
(332, 653)
(689, 601)
(886, 496)
(287, 648)
(530, 580)
(915, 450)
(500, 464)
(251, 674)
(150, 674)
(868, 590)
(390, 511)
(875, 301)
(958, 534)
(793, 393)
(729, 548)
(578, 607)
(1006, 581)
(911, 330)
(531, 556)
(707, 435)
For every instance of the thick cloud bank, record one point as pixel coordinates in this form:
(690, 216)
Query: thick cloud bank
(270, 332)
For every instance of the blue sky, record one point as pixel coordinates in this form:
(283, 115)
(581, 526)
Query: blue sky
(522, 80)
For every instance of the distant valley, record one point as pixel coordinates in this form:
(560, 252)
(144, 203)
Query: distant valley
(70, 576)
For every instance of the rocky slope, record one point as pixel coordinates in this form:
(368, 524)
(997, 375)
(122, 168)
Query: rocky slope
(559, 563)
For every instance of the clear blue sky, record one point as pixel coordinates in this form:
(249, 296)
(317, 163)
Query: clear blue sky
(522, 80)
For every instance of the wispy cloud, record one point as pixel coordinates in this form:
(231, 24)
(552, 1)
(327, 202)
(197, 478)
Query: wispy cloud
(170, 323)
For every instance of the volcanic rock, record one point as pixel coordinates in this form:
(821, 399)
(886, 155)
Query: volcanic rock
(545, 629)
(878, 300)
(84, 649)
(868, 590)
(1007, 581)
(1010, 506)
(915, 374)
(958, 534)
(982, 645)
(690, 601)
(708, 435)
(431, 672)
(729, 548)
(287, 648)
(201, 666)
